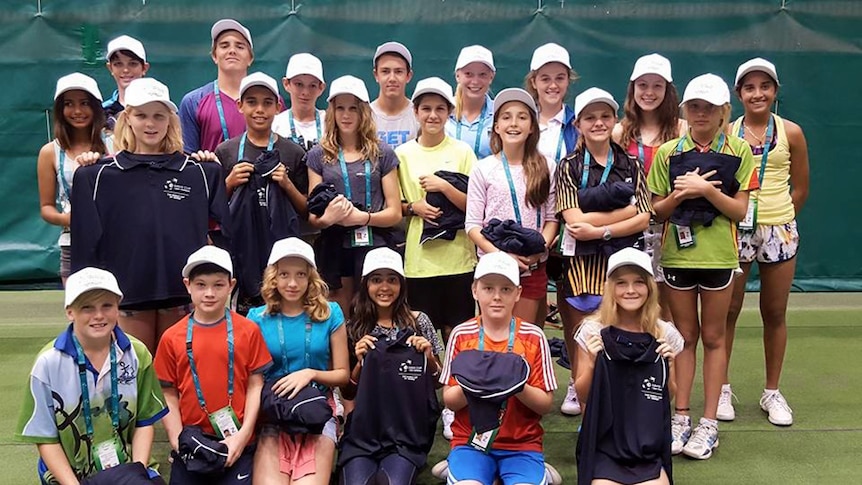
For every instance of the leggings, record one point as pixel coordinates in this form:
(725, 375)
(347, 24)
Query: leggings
(394, 469)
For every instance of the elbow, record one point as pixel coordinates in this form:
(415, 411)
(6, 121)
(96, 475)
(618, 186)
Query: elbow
(342, 378)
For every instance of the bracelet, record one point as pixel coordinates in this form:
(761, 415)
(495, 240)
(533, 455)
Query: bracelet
(369, 219)
(682, 409)
(353, 382)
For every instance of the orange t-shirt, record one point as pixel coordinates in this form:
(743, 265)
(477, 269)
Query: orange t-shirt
(209, 345)
(521, 429)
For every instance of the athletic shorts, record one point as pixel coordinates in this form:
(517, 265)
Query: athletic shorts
(652, 246)
(447, 300)
(65, 261)
(535, 285)
(512, 467)
(237, 474)
(705, 279)
(769, 244)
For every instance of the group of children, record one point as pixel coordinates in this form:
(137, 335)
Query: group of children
(501, 195)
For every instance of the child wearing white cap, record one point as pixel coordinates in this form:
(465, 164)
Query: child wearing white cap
(302, 122)
(92, 397)
(548, 82)
(773, 239)
(381, 314)
(701, 195)
(208, 113)
(296, 316)
(149, 192)
(364, 171)
(472, 118)
(514, 450)
(79, 139)
(650, 118)
(516, 183)
(126, 61)
(393, 113)
(628, 316)
(595, 225)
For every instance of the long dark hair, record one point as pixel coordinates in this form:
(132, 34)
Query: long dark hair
(536, 173)
(63, 129)
(365, 315)
(667, 111)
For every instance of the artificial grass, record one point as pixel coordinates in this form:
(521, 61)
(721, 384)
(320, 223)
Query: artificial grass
(822, 378)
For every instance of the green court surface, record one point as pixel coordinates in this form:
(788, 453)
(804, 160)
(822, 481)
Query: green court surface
(822, 381)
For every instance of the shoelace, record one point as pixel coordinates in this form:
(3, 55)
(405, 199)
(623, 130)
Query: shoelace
(571, 393)
(678, 426)
(777, 400)
(700, 436)
(727, 398)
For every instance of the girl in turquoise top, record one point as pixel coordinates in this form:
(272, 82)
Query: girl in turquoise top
(306, 336)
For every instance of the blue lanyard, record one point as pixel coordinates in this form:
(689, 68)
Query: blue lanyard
(220, 111)
(241, 151)
(515, 204)
(85, 388)
(511, 344)
(60, 169)
(293, 135)
(478, 141)
(767, 143)
(348, 191)
(560, 143)
(721, 141)
(194, 369)
(641, 156)
(586, 173)
(283, 344)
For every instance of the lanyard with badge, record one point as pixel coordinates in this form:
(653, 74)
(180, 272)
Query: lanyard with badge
(297, 138)
(483, 441)
(283, 343)
(241, 151)
(567, 242)
(361, 236)
(515, 205)
(685, 234)
(220, 109)
(477, 144)
(108, 453)
(224, 420)
(750, 221)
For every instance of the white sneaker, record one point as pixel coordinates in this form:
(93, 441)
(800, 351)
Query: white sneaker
(680, 431)
(725, 404)
(441, 470)
(571, 406)
(552, 476)
(703, 441)
(448, 417)
(780, 413)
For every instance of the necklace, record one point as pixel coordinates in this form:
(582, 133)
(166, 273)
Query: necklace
(760, 139)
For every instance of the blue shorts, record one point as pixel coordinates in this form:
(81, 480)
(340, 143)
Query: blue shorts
(585, 302)
(512, 467)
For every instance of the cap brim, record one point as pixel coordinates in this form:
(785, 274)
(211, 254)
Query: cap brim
(71, 297)
(769, 72)
(438, 92)
(257, 83)
(506, 96)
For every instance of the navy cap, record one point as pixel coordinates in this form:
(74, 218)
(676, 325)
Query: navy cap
(202, 453)
(307, 413)
(488, 380)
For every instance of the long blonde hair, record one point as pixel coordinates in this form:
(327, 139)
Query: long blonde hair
(124, 137)
(608, 313)
(369, 143)
(314, 300)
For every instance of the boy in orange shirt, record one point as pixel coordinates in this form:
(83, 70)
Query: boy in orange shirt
(513, 451)
(211, 365)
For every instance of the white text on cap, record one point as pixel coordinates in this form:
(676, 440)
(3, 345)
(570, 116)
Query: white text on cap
(147, 90)
(652, 64)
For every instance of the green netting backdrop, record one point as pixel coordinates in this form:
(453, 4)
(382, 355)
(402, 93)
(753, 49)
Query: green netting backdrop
(816, 45)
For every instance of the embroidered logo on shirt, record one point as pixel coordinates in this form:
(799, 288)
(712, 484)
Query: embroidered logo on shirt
(127, 373)
(651, 389)
(176, 191)
(261, 196)
(409, 371)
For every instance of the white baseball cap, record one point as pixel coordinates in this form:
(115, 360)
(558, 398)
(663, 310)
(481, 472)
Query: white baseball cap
(382, 258)
(208, 254)
(594, 95)
(291, 247)
(395, 47)
(304, 63)
(230, 24)
(514, 94)
(475, 53)
(147, 90)
(548, 53)
(126, 43)
(630, 257)
(88, 279)
(348, 85)
(434, 85)
(257, 79)
(652, 64)
(499, 263)
(756, 64)
(709, 88)
(76, 80)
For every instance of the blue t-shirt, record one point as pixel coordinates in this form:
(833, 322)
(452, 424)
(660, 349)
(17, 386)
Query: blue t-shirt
(319, 353)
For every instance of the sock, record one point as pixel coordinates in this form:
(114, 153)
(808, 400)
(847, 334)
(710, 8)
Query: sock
(725, 387)
(710, 422)
(687, 417)
(769, 392)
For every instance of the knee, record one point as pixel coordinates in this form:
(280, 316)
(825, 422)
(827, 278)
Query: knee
(713, 339)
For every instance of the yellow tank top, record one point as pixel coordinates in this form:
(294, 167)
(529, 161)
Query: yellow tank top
(774, 205)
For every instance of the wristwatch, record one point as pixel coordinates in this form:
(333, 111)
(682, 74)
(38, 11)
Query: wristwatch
(607, 234)
(410, 211)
